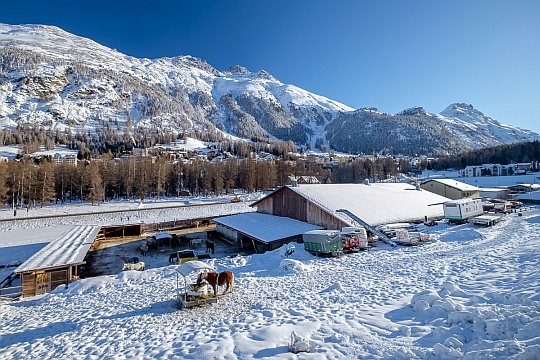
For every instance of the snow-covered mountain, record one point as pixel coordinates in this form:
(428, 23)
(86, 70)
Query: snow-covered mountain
(60, 80)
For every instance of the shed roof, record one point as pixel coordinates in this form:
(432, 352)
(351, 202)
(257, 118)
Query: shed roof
(264, 227)
(70, 248)
(376, 204)
(195, 265)
(455, 184)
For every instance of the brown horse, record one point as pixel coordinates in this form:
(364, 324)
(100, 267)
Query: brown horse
(215, 280)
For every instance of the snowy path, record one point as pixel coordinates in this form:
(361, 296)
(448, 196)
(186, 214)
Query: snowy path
(474, 294)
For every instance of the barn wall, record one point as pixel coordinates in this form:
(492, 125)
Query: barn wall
(266, 205)
(316, 216)
(286, 202)
(227, 232)
(28, 285)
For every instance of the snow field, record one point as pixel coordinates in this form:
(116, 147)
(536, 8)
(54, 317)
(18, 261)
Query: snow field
(473, 293)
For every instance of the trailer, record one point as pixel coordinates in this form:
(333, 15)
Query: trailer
(354, 239)
(323, 242)
(459, 211)
(487, 220)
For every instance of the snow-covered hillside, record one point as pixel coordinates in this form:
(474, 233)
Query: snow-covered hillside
(60, 80)
(472, 293)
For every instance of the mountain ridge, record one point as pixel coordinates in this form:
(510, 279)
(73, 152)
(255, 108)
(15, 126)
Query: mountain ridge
(60, 80)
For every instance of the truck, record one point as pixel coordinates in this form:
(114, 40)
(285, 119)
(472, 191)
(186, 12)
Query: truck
(459, 211)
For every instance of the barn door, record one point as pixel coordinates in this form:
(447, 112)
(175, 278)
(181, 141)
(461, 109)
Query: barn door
(58, 278)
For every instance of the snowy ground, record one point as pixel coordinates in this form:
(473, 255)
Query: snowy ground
(473, 293)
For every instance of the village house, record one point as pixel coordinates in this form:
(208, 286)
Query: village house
(451, 188)
(472, 171)
(68, 158)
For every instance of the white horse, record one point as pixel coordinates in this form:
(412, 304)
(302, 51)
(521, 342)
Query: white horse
(137, 266)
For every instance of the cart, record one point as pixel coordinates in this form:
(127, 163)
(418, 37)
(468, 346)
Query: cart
(190, 297)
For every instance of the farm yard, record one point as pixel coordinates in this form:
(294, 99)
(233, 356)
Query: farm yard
(106, 259)
(471, 293)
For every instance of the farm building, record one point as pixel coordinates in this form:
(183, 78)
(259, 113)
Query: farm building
(261, 231)
(375, 204)
(57, 263)
(451, 189)
(523, 188)
(493, 193)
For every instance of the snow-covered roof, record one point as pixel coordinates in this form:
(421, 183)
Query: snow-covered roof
(68, 249)
(267, 228)
(456, 184)
(163, 235)
(377, 203)
(193, 265)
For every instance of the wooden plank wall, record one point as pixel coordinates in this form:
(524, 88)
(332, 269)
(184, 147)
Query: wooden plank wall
(28, 284)
(289, 204)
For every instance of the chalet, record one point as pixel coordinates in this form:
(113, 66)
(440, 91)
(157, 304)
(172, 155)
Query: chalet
(375, 204)
(451, 189)
(57, 262)
(303, 180)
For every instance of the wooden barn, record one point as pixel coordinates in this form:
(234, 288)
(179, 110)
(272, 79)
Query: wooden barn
(375, 204)
(57, 263)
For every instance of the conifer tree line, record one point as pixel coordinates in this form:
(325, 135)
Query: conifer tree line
(29, 182)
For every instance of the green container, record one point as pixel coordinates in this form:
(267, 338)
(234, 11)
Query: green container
(323, 241)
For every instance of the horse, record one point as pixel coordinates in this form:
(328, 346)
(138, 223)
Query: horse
(215, 280)
(209, 246)
(144, 248)
(173, 257)
(132, 260)
(137, 266)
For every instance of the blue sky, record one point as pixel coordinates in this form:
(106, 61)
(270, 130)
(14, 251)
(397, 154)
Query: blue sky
(388, 54)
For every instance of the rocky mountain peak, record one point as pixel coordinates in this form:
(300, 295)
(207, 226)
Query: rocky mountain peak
(416, 110)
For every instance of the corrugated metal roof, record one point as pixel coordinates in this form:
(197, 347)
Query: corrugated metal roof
(68, 249)
(377, 203)
(264, 227)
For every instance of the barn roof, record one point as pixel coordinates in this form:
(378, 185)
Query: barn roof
(70, 248)
(376, 204)
(264, 227)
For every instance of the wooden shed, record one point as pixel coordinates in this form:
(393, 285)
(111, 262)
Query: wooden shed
(57, 263)
(261, 232)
